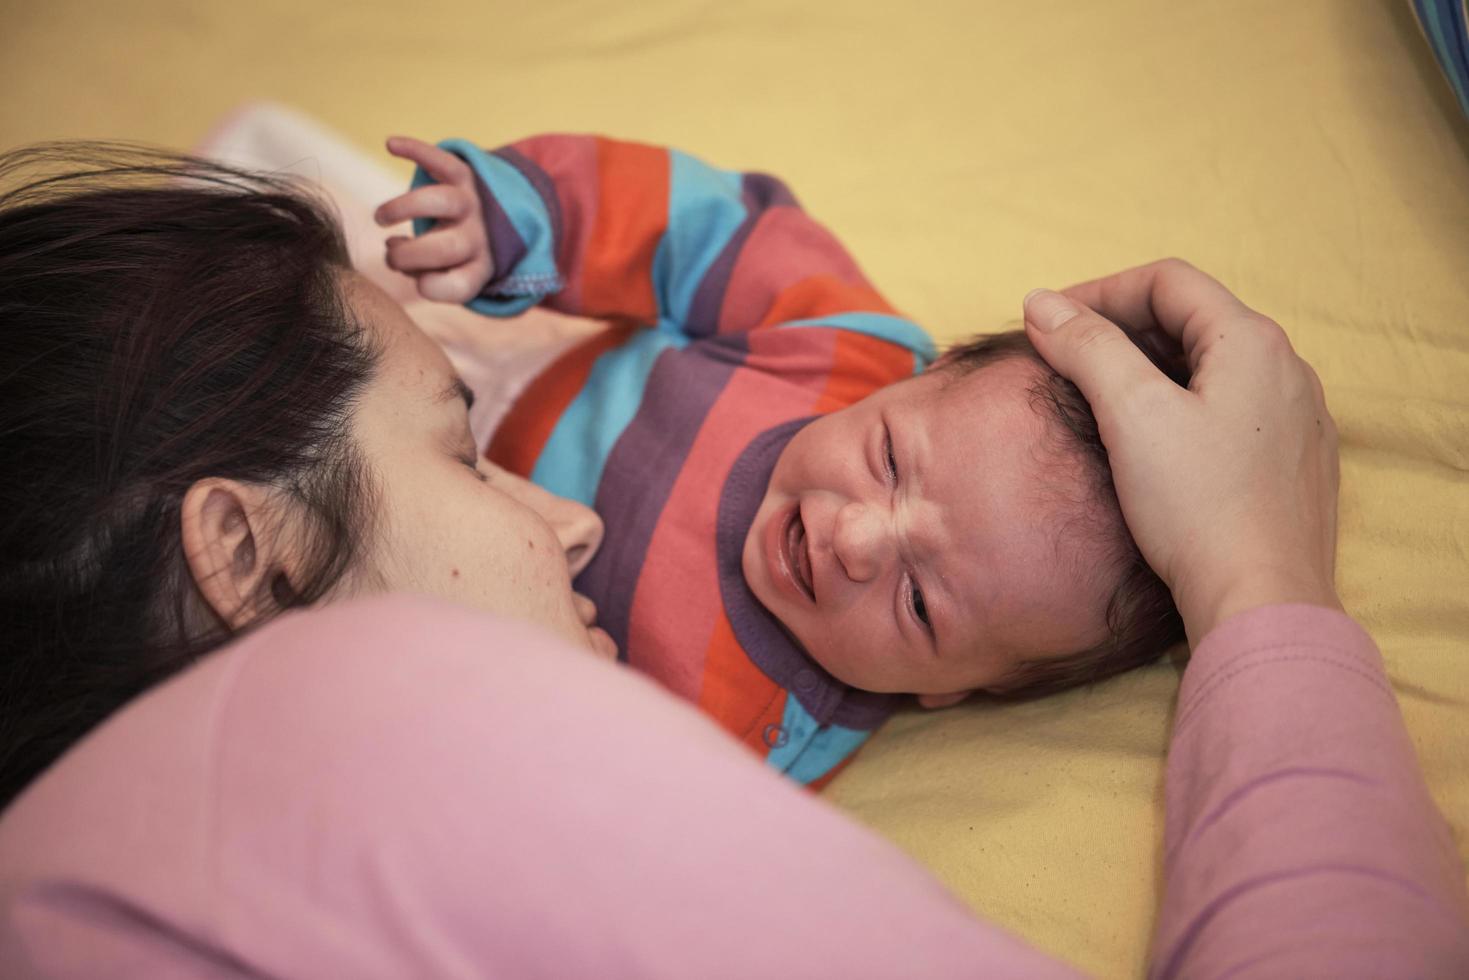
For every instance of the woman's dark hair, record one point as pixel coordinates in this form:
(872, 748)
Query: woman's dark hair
(162, 319)
(1142, 621)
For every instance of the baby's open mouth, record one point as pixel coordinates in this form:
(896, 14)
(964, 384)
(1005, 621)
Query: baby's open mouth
(798, 555)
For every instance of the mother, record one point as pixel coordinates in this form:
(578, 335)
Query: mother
(207, 419)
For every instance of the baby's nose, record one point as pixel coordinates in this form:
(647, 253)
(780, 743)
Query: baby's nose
(861, 541)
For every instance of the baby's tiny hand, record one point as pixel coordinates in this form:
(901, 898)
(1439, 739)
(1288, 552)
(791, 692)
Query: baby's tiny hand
(452, 261)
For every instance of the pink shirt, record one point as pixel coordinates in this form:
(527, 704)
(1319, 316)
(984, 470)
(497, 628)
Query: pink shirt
(402, 788)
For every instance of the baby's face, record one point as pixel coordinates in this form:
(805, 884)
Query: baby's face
(917, 542)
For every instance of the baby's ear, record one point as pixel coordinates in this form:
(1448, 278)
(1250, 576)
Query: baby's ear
(932, 701)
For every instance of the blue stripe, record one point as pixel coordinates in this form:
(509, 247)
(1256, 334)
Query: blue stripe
(893, 329)
(571, 462)
(1460, 47)
(1447, 45)
(705, 209)
(811, 750)
(1428, 16)
(536, 275)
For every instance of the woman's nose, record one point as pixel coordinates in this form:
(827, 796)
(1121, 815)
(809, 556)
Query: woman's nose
(577, 526)
(579, 530)
(860, 541)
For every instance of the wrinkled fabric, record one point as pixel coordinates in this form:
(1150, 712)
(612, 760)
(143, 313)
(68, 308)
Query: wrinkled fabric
(399, 787)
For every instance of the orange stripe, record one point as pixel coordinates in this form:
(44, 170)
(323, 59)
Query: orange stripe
(860, 365)
(821, 296)
(522, 433)
(616, 277)
(736, 693)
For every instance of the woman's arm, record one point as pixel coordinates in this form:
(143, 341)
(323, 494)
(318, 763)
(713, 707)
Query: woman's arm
(399, 787)
(1301, 839)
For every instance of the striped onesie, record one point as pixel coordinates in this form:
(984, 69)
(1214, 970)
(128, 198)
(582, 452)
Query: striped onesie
(737, 318)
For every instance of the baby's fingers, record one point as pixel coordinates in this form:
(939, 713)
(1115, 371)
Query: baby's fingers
(441, 165)
(428, 253)
(455, 285)
(431, 201)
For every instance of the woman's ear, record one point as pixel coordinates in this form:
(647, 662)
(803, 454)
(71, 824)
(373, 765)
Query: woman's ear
(230, 532)
(942, 700)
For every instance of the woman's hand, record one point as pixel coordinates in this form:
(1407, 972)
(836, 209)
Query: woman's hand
(1229, 487)
(452, 261)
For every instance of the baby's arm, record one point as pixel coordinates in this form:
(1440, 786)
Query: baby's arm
(603, 228)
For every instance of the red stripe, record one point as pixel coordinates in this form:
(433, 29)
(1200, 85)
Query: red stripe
(523, 432)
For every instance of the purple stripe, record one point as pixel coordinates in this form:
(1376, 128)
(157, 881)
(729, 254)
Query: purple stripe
(506, 245)
(760, 193)
(640, 472)
(542, 182)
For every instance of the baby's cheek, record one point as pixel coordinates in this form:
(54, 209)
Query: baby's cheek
(856, 653)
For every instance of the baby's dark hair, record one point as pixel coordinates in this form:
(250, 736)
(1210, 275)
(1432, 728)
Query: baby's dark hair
(1142, 621)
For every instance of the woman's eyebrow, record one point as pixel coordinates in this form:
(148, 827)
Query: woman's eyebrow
(456, 389)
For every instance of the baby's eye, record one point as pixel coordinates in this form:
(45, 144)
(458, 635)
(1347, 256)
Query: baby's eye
(920, 609)
(887, 445)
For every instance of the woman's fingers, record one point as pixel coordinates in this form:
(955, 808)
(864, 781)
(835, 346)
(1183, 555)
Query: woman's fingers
(1169, 295)
(1229, 488)
(430, 201)
(1092, 353)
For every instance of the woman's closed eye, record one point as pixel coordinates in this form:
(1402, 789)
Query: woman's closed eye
(473, 463)
(470, 457)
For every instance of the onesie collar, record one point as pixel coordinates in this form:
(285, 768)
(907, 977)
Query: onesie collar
(764, 640)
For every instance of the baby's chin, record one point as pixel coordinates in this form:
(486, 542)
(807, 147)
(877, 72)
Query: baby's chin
(757, 584)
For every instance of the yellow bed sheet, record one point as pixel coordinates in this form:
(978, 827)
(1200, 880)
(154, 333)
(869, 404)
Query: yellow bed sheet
(1307, 153)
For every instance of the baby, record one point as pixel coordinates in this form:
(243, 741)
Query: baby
(807, 515)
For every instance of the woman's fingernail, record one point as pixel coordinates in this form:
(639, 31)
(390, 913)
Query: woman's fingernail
(1047, 310)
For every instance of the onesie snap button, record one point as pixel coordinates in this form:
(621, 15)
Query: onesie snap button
(805, 681)
(776, 736)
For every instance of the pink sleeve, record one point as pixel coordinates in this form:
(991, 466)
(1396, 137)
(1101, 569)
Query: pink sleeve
(400, 787)
(1301, 839)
